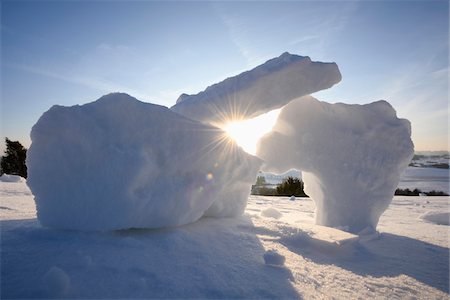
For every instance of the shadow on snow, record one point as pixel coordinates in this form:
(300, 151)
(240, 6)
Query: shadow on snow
(207, 259)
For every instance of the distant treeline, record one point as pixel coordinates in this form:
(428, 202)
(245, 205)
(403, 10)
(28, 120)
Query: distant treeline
(417, 192)
(292, 186)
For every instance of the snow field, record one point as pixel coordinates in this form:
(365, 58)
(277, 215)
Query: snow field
(439, 218)
(409, 259)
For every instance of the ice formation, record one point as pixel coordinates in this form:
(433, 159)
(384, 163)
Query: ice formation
(260, 90)
(120, 163)
(351, 157)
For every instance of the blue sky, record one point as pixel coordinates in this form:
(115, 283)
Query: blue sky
(73, 52)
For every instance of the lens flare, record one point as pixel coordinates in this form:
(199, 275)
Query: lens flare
(247, 133)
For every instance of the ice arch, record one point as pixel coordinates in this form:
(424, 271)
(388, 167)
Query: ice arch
(351, 157)
(119, 163)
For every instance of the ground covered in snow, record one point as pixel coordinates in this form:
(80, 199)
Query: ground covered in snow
(272, 251)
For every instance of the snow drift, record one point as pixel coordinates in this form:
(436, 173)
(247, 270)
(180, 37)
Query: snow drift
(11, 178)
(260, 90)
(120, 163)
(439, 218)
(351, 157)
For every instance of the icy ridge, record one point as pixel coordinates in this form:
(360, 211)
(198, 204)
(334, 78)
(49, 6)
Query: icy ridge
(260, 90)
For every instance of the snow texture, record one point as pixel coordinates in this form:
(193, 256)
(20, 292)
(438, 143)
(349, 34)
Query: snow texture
(410, 259)
(351, 157)
(439, 218)
(271, 213)
(120, 163)
(273, 258)
(260, 90)
(56, 283)
(11, 178)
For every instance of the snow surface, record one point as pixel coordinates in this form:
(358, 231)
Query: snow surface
(120, 163)
(260, 90)
(351, 157)
(273, 258)
(271, 213)
(11, 178)
(224, 258)
(439, 218)
(425, 179)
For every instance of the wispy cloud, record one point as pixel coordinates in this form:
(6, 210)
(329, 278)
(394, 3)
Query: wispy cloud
(93, 82)
(257, 37)
(238, 32)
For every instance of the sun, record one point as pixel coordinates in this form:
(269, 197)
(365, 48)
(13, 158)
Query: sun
(247, 133)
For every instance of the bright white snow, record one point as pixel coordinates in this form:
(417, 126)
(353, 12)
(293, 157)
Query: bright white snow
(224, 258)
(260, 90)
(120, 163)
(351, 157)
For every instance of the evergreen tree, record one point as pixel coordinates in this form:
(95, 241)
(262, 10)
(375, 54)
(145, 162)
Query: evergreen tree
(13, 162)
(291, 186)
(261, 180)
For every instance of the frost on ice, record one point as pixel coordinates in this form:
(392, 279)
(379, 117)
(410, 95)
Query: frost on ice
(260, 90)
(120, 163)
(351, 157)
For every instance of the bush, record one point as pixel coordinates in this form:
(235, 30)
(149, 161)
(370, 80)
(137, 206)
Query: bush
(291, 186)
(407, 192)
(436, 193)
(13, 162)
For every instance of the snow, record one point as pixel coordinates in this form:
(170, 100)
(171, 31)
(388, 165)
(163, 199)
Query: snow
(260, 90)
(271, 213)
(11, 178)
(439, 218)
(224, 258)
(56, 283)
(425, 179)
(272, 257)
(351, 157)
(119, 163)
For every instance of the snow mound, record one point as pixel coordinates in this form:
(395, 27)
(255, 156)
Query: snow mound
(351, 157)
(56, 282)
(260, 90)
(439, 218)
(271, 213)
(11, 178)
(273, 258)
(120, 163)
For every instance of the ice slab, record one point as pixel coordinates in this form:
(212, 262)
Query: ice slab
(260, 90)
(120, 163)
(351, 157)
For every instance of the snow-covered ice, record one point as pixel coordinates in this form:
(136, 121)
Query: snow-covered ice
(224, 258)
(120, 163)
(260, 90)
(11, 178)
(439, 218)
(351, 157)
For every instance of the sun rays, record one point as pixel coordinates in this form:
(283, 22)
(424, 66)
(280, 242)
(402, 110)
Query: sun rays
(246, 133)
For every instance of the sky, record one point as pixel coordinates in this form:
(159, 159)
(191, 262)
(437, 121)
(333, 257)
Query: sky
(73, 52)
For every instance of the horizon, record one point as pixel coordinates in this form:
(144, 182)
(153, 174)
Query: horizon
(155, 51)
